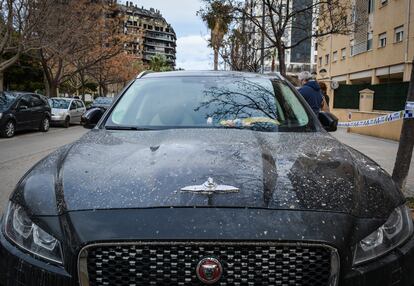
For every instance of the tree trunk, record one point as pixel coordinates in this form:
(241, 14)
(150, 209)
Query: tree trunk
(281, 58)
(100, 90)
(216, 56)
(405, 149)
(273, 63)
(46, 83)
(105, 90)
(1, 81)
(53, 89)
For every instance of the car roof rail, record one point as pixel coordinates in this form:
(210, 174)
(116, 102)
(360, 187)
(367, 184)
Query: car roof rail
(144, 73)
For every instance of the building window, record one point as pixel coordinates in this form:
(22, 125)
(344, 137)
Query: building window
(326, 59)
(320, 61)
(369, 41)
(335, 56)
(382, 40)
(399, 34)
(371, 6)
(343, 54)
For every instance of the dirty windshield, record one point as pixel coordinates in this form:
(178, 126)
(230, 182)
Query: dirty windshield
(209, 102)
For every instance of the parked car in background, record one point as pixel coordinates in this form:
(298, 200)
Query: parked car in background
(101, 102)
(23, 110)
(66, 111)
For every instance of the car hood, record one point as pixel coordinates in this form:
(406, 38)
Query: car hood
(128, 169)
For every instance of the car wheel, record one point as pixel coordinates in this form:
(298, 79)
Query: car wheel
(67, 122)
(9, 129)
(45, 125)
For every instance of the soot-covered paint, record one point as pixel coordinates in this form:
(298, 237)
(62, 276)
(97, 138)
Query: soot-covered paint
(127, 169)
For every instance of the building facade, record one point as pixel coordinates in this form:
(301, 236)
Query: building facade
(151, 33)
(379, 51)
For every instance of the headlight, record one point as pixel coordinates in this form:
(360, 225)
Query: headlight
(396, 230)
(30, 237)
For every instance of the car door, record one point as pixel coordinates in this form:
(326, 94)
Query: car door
(73, 112)
(80, 109)
(23, 113)
(37, 110)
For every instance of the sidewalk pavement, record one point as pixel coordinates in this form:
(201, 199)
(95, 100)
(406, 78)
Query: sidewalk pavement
(382, 151)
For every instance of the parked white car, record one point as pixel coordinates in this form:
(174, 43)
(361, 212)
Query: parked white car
(66, 111)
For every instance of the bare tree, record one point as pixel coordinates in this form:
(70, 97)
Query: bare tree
(405, 149)
(18, 24)
(240, 52)
(309, 19)
(81, 34)
(117, 70)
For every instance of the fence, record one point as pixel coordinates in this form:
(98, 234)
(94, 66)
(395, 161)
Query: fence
(388, 96)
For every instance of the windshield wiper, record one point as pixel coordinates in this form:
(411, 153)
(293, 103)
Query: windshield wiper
(128, 128)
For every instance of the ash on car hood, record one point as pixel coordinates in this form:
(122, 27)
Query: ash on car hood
(121, 169)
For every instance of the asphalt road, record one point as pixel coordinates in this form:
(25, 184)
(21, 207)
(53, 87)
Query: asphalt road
(20, 153)
(382, 151)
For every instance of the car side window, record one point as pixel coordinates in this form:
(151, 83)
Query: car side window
(25, 101)
(79, 104)
(73, 105)
(36, 101)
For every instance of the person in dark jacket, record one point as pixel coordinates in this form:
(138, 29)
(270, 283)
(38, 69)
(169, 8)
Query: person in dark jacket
(311, 91)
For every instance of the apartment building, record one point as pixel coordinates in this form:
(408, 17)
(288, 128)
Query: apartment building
(379, 51)
(151, 33)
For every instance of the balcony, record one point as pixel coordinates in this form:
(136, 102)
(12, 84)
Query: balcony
(157, 36)
(159, 44)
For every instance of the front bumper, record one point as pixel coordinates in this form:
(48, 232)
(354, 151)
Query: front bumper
(199, 224)
(396, 268)
(18, 268)
(58, 119)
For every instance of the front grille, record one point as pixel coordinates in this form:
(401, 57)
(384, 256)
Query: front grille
(176, 263)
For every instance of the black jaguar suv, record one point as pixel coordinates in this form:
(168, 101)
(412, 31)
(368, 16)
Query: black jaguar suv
(207, 178)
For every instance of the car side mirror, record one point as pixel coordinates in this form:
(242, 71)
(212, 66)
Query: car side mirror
(328, 121)
(91, 117)
(23, 107)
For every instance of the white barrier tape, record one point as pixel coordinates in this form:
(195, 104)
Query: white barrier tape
(380, 120)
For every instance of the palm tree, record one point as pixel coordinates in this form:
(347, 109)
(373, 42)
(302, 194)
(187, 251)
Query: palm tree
(218, 17)
(159, 63)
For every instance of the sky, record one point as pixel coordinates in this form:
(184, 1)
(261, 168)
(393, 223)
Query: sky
(193, 52)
